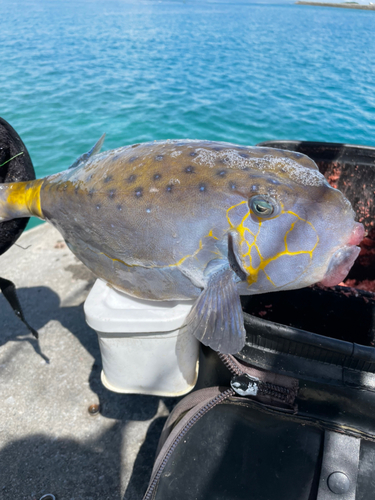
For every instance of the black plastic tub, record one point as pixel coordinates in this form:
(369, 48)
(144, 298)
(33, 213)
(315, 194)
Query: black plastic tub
(347, 167)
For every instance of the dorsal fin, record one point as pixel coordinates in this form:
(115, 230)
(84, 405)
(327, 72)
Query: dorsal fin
(93, 151)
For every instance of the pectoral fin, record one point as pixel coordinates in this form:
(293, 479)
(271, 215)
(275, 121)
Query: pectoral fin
(216, 318)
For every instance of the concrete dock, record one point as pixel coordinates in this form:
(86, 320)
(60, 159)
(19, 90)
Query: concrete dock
(49, 442)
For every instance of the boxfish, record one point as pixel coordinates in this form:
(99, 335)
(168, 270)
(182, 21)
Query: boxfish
(194, 219)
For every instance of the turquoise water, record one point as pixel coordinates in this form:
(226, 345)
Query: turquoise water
(239, 72)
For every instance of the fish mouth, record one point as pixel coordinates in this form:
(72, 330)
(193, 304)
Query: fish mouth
(343, 259)
(340, 265)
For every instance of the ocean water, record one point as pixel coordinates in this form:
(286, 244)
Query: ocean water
(145, 70)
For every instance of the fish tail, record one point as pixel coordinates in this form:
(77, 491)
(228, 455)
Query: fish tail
(20, 199)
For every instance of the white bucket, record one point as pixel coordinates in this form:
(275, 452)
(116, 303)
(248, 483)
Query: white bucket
(143, 351)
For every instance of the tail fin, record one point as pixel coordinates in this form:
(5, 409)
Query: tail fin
(20, 199)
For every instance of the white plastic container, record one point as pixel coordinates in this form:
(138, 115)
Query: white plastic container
(142, 349)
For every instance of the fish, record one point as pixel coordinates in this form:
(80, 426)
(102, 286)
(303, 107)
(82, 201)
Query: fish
(194, 219)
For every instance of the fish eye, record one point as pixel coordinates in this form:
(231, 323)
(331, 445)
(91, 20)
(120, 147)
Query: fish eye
(263, 206)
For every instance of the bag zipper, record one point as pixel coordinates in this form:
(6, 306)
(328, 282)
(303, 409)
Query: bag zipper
(242, 384)
(208, 406)
(246, 385)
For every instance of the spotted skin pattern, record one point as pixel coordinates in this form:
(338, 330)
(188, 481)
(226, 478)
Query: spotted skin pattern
(170, 220)
(161, 204)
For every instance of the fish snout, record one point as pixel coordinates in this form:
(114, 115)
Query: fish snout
(357, 234)
(343, 259)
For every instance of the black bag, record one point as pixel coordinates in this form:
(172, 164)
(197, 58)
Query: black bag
(267, 437)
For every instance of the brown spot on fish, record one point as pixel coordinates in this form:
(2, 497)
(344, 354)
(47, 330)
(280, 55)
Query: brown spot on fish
(112, 193)
(131, 178)
(139, 192)
(108, 179)
(157, 176)
(119, 207)
(190, 170)
(221, 173)
(159, 158)
(232, 185)
(169, 188)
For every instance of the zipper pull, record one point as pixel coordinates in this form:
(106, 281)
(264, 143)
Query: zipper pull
(248, 385)
(244, 385)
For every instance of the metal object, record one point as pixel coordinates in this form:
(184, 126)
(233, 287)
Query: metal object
(245, 385)
(339, 472)
(338, 483)
(94, 410)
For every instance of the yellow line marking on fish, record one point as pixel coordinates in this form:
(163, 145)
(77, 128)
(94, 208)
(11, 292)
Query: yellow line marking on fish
(113, 259)
(176, 264)
(253, 271)
(211, 235)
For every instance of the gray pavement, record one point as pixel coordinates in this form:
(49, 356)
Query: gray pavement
(49, 443)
